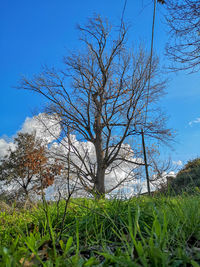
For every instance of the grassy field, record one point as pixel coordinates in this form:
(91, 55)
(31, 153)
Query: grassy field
(142, 231)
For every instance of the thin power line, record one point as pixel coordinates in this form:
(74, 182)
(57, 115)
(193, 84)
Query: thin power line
(151, 56)
(148, 88)
(123, 11)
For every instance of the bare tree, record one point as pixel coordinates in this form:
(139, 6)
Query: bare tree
(160, 170)
(100, 96)
(183, 18)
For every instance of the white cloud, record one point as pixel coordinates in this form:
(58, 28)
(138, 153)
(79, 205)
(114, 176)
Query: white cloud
(119, 170)
(178, 163)
(172, 174)
(197, 120)
(47, 127)
(4, 147)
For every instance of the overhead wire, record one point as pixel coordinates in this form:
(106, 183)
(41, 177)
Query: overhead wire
(150, 59)
(147, 101)
(148, 86)
(123, 12)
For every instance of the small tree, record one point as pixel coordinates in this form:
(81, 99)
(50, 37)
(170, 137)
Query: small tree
(100, 96)
(26, 168)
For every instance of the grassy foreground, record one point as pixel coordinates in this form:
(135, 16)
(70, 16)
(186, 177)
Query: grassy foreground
(138, 232)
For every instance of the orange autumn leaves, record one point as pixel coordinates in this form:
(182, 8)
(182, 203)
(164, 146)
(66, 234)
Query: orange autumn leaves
(30, 166)
(36, 161)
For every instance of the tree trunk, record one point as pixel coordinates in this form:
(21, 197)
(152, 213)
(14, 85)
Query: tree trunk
(100, 183)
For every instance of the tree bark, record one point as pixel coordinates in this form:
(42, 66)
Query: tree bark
(99, 183)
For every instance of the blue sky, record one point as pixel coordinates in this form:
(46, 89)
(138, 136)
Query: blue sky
(37, 32)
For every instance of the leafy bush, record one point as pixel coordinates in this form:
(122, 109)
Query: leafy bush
(195, 163)
(187, 179)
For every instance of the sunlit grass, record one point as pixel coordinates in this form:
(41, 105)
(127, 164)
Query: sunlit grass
(142, 231)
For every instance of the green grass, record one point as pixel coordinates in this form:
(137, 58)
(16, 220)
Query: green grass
(143, 231)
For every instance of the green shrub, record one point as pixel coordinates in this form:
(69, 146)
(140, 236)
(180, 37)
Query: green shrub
(188, 178)
(192, 164)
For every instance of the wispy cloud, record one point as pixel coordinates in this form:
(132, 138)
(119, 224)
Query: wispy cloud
(178, 163)
(197, 120)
